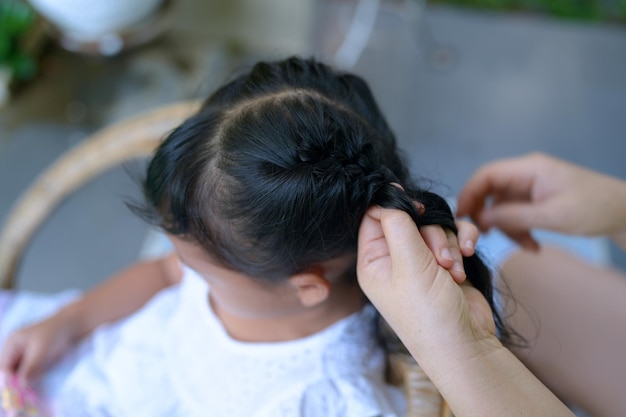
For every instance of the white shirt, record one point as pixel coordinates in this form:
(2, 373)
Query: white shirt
(174, 358)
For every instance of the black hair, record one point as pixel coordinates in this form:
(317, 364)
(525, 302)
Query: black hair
(275, 172)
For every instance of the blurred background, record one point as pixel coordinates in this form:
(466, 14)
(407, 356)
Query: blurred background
(462, 82)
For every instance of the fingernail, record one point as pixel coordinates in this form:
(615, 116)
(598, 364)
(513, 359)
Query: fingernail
(445, 253)
(458, 266)
(468, 244)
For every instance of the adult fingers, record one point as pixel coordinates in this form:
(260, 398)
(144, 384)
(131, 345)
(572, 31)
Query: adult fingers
(471, 198)
(414, 265)
(525, 240)
(513, 218)
(391, 249)
(504, 176)
(436, 238)
(373, 261)
(449, 248)
(467, 237)
(516, 220)
(458, 270)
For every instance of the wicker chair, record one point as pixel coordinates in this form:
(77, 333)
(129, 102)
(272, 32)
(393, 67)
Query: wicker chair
(134, 138)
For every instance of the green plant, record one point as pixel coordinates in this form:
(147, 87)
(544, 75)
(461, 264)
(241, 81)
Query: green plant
(598, 10)
(16, 19)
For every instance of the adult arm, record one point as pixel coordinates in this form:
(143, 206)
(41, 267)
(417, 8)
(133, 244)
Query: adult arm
(29, 351)
(539, 191)
(447, 327)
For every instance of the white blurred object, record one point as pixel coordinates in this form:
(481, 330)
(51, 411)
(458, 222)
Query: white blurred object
(496, 247)
(362, 27)
(101, 22)
(89, 20)
(358, 34)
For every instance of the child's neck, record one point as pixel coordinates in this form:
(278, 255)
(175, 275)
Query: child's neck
(307, 321)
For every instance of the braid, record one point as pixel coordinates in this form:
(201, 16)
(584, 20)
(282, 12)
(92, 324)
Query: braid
(276, 171)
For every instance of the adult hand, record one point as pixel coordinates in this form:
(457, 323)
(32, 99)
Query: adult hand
(539, 191)
(419, 298)
(447, 327)
(449, 249)
(30, 351)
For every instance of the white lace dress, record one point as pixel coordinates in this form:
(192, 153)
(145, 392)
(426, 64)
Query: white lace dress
(174, 358)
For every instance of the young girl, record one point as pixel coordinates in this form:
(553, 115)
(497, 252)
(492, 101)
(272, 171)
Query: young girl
(259, 312)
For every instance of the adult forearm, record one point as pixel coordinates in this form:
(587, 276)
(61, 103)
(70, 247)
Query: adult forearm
(121, 295)
(619, 208)
(494, 384)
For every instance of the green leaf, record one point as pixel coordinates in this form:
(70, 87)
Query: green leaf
(15, 17)
(592, 10)
(24, 67)
(5, 48)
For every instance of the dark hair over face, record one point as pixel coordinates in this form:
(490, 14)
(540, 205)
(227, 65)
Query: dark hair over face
(275, 172)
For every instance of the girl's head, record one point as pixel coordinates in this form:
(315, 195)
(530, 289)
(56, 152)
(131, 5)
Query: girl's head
(274, 173)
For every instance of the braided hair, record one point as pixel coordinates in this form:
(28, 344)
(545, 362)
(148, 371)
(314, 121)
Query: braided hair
(275, 172)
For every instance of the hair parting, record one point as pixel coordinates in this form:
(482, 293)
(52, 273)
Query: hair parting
(275, 172)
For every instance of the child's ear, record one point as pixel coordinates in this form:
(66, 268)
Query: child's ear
(311, 287)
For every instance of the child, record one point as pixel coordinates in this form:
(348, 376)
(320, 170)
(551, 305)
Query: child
(259, 312)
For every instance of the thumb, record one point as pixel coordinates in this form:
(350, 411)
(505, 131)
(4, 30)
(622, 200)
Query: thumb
(417, 297)
(410, 256)
(373, 261)
(392, 252)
